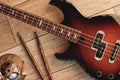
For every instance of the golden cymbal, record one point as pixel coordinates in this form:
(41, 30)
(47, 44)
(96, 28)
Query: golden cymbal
(12, 67)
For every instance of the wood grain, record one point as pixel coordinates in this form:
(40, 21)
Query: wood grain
(55, 64)
(93, 7)
(12, 2)
(6, 37)
(2, 18)
(44, 59)
(61, 70)
(117, 10)
(36, 66)
(33, 6)
(74, 72)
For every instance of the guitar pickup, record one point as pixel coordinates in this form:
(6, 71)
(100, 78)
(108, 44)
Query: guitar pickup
(99, 53)
(99, 45)
(114, 52)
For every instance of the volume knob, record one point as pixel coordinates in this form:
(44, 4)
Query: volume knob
(110, 76)
(98, 74)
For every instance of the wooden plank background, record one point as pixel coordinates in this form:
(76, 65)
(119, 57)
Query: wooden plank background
(61, 70)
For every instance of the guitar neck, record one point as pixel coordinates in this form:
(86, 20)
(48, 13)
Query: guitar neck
(39, 22)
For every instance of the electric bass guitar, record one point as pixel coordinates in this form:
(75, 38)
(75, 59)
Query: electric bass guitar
(94, 43)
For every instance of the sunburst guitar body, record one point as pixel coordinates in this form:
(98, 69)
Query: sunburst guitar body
(94, 42)
(98, 49)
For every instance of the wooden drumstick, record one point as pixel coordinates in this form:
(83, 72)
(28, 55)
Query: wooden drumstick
(31, 57)
(43, 57)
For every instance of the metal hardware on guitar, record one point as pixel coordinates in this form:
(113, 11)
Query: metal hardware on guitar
(94, 42)
(12, 67)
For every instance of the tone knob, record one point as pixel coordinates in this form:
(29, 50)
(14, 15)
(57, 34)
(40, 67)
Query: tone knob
(110, 76)
(98, 74)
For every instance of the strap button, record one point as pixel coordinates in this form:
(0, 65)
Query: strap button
(110, 76)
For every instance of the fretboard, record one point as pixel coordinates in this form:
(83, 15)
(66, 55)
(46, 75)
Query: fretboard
(39, 22)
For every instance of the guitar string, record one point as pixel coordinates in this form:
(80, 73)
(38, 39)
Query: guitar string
(73, 33)
(47, 24)
(83, 37)
(92, 41)
(50, 25)
(118, 59)
(84, 41)
(63, 25)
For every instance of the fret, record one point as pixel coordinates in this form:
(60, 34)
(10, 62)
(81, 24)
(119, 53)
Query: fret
(71, 35)
(35, 21)
(48, 29)
(43, 25)
(51, 27)
(74, 35)
(32, 20)
(15, 15)
(7, 9)
(57, 29)
(47, 25)
(28, 18)
(79, 36)
(18, 14)
(4, 10)
(25, 18)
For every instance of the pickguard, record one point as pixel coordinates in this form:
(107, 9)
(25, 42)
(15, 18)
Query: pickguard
(99, 45)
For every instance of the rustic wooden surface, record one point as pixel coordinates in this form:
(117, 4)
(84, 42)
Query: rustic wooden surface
(61, 70)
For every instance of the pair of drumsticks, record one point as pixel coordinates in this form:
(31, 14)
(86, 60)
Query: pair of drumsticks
(33, 60)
